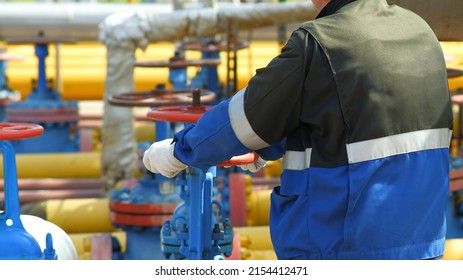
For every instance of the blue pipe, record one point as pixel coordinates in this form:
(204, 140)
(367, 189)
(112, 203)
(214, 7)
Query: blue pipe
(41, 51)
(15, 242)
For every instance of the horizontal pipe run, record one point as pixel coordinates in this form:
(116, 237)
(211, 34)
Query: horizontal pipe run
(139, 116)
(35, 184)
(57, 165)
(263, 181)
(29, 196)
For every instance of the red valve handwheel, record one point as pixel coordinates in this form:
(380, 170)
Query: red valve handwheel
(239, 160)
(160, 97)
(15, 131)
(193, 114)
(186, 113)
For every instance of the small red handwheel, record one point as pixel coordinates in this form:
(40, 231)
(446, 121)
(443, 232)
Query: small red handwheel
(15, 131)
(239, 160)
(160, 97)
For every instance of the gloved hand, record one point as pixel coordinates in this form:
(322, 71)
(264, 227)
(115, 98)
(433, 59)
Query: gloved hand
(159, 158)
(255, 166)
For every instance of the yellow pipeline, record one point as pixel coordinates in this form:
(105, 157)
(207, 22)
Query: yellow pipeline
(255, 238)
(258, 207)
(80, 215)
(57, 165)
(60, 165)
(83, 67)
(258, 200)
(144, 131)
(454, 57)
(453, 249)
(254, 243)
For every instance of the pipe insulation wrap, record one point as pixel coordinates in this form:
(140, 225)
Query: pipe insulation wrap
(143, 27)
(124, 32)
(77, 20)
(118, 154)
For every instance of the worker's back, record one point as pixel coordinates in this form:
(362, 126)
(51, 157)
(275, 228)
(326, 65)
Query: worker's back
(377, 179)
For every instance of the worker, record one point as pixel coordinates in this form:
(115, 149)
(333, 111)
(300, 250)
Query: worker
(358, 107)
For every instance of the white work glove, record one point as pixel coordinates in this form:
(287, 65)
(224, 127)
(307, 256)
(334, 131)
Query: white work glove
(255, 166)
(159, 158)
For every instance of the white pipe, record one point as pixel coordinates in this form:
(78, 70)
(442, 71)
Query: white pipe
(124, 32)
(39, 228)
(80, 20)
(135, 29)
(70, 20)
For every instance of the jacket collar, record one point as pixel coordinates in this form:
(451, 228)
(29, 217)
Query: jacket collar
(332, 7)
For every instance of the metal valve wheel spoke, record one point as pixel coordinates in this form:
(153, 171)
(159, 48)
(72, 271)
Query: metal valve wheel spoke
(178, 63)
(160, 97)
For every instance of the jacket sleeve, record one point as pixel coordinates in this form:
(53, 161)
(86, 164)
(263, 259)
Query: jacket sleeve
(257, 118)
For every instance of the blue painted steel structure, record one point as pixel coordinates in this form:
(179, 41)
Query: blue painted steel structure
(143, 235)
(44, 106)
(7, 95)
(196, 231)
(15, 242)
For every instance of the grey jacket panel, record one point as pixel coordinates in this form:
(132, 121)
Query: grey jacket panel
(339, 78)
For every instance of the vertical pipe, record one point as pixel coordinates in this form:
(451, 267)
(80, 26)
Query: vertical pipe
(162, 130)
(41, 50)
(195, 184)
(11, 212)
(212, 75)
(281, 30)
(58, 81)
(207, 214)
(3, 65)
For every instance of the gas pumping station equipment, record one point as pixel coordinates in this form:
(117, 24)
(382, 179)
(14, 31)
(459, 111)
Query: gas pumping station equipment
(44, 106)
(196, 230)
(15, 242)
(178, 75)
(211, 48)
(141, 209)
(7, 95)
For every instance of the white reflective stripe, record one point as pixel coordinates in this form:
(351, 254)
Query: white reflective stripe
(293, 160)
(241, 125)
(378, 148)
(399, 144)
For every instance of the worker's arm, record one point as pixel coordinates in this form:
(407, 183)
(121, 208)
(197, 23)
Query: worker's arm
(254, 119)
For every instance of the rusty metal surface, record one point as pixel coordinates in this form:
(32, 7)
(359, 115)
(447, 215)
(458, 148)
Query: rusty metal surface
(160, 97)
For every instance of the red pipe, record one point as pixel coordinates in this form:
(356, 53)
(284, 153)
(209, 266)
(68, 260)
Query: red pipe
(28, 196)
(57, 184)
